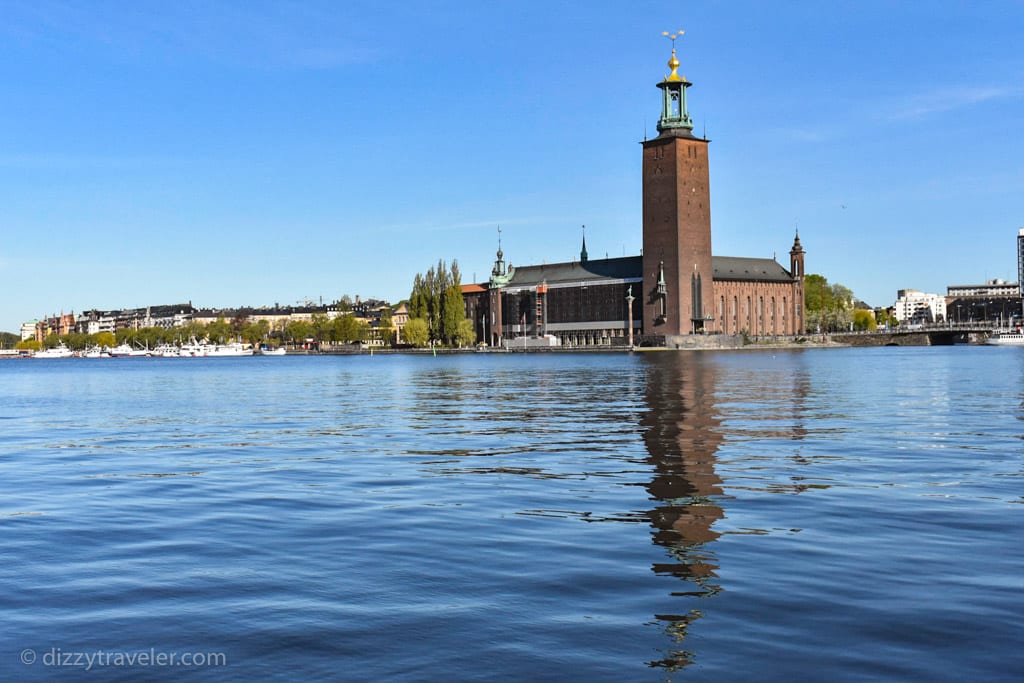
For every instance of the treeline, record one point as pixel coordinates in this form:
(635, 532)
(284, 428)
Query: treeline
(319, 328)
(436, 311)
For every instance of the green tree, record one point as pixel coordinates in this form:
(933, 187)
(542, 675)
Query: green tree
(386, 327)
(219, 331)
(28, 345)
(417, 332)
(322, 326)
(298, 330)
(417, 306)
(467, 333)
(864, 319)
(346, 328)
(106, 339)
(453, 311)
(256, 332)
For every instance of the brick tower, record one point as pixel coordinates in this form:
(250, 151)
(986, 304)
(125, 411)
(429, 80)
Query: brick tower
(677, 275)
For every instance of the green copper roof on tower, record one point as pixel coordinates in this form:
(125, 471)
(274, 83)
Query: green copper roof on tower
(674, 115)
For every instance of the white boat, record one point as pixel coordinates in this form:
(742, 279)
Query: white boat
(59, 351)
(193, 349)
(167, 351)
(95, 352)
(279, 351)
(225, 350)
(1012, 337)
(123, 350)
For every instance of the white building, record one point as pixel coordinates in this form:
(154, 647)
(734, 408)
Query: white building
(28, 330)
(913, 306)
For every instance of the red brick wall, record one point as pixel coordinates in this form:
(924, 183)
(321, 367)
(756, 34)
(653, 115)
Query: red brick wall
(676, 229)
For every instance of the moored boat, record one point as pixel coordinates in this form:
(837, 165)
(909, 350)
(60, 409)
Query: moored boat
(59, 351)
(1011, 337)
(225, 350)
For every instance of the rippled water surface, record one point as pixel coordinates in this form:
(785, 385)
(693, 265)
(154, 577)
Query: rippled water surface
(828, 515)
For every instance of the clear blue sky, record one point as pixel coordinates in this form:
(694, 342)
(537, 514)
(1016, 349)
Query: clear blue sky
(246, 153)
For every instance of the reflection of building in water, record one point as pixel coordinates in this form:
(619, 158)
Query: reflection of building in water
(681, 435)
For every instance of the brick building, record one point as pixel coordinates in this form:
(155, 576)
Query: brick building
(675, 288)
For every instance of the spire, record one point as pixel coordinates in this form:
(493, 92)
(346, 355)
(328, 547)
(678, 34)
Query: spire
(583, 251)
(674, 116)
(797, 248)
(499, 273)
(796, 258)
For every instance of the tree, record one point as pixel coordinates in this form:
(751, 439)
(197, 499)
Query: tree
(467, 333)
(106, 339)
(864, 320)
(386, 327)
(321, 326)
(219, 331)
(417, 300)
(28, 345)
(298, 330)
(8, 340)
(256, 332)
(346, 328)
(417, 332)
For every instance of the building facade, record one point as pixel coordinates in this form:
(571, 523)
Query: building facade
(914, 307)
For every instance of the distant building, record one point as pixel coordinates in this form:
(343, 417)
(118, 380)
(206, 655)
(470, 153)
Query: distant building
(28, 330)
(913, 306)
(991, 288)
(994, 301)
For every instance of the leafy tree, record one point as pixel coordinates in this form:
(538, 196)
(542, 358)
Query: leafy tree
(453, 310)
(864, 320)
(828, 307)
(106, 339)
(28, 345)
(417, 300)
(347, 328)
(298, 330)
(386, 327)
(322, 327)
(51, 341)
(256, 332)
(219, 331)
(466, 335)
(417, 332)
(8, 340)
(884, 318)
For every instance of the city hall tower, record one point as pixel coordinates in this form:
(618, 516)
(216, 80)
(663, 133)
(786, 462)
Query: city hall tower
(678, 292)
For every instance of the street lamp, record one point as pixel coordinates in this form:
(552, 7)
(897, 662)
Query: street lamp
(629, 309)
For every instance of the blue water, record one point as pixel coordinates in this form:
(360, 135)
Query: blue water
(823, 515)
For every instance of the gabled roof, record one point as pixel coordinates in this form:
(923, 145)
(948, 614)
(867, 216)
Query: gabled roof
(749, 269)
(628, 267)
(726, 268)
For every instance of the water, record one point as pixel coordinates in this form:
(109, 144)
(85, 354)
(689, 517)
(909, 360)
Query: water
(829, 515)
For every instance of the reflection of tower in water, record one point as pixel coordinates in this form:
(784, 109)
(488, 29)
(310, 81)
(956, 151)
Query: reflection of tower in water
(681, 437)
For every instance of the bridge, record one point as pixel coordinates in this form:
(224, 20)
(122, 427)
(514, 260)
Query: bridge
(931, 334)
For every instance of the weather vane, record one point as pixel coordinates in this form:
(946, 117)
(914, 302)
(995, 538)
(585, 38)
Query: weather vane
(673, 36)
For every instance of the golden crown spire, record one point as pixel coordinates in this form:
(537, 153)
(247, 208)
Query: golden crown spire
(673, 62)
